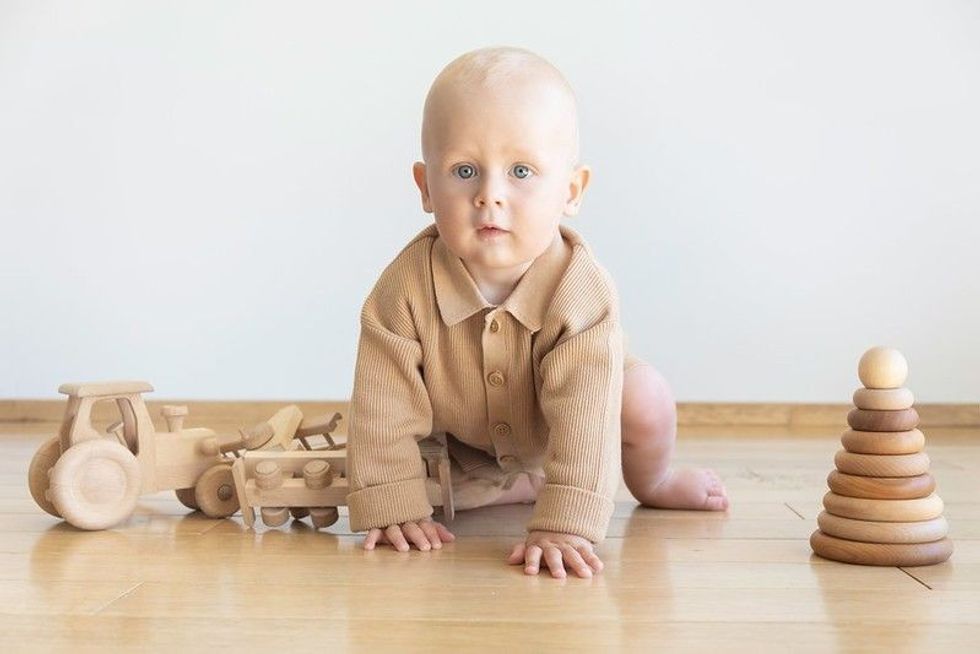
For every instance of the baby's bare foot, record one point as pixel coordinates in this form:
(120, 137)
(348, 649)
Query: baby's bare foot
(688, 488)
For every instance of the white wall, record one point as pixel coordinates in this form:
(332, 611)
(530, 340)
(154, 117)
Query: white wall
(200, 194)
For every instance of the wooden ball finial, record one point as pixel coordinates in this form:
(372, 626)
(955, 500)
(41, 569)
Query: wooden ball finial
(883, 367)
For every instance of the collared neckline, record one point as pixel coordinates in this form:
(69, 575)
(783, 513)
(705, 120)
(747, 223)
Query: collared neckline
(459, 297)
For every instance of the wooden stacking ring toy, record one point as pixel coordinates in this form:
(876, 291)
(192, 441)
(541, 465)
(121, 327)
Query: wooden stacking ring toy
(883, 399)
(894, 554)
(874, 465)
(860, 508)
(881, 488)
(867, 531)
(883, 442)
(864, 420)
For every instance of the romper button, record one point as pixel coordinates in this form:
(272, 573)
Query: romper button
(501, 429)
(496, 378)
(494, 326)
(508, 459)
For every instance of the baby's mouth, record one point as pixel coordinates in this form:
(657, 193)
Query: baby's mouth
(491, 232)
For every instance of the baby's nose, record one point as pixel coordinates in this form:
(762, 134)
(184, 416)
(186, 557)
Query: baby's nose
(489, 192)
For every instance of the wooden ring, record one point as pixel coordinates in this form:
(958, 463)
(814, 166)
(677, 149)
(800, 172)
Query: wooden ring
(864, 420)
(866, 531)
(883, 442)
(883, 399)
(894, 554)
(881, 488)
(882, 465)
(860, 508)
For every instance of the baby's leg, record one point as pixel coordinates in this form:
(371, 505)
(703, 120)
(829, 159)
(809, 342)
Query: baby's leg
(524, 491)
(649, 426)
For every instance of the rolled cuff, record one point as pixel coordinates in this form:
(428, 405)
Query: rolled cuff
(388, 504)
(572, 510)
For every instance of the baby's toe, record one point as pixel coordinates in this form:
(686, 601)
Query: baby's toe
(713, 482)
(717, 499)
(716, 503)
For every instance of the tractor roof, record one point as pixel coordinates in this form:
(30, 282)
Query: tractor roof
(87, 389)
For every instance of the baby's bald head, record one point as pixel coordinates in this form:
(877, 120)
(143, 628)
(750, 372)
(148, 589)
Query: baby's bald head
(505, 79)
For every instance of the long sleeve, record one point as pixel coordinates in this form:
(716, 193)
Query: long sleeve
(581, 400)
(390, 411)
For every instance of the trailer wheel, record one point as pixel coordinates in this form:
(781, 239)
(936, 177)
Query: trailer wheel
(215, 492)
(186, 497)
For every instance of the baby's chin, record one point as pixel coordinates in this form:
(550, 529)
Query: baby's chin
(494, 257)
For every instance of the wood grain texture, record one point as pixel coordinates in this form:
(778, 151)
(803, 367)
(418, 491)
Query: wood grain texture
(867, 531)
(880, 465)
(881, 488)
(883, 399)
(859, 508)
(864, 420)
(171, 580)
(891, 554)
(883, 442)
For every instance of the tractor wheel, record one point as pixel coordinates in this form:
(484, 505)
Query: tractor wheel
(186, 497)
(38, 475)
(95, 484)
(215, 492)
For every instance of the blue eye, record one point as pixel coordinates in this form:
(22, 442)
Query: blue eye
(465, 171)
(521, 171)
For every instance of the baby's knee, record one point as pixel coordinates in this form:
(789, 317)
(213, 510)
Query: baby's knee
(648, 401)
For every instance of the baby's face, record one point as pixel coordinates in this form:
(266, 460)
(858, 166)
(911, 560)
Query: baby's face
(499, 173)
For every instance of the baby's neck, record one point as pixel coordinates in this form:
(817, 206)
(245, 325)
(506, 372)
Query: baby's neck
(495, 295)
(495, 284)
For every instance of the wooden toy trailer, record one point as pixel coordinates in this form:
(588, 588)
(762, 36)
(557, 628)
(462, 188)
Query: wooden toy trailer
(314, 483)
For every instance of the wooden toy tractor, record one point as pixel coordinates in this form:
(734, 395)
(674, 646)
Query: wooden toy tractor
(93, 479)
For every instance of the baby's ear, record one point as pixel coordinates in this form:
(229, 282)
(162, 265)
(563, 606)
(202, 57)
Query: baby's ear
(418, 172)
(576, 189)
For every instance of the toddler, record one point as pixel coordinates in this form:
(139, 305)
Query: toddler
(496, 326)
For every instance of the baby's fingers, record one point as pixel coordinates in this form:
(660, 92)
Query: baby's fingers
(415, 533)
(372, 539)
(532, 558)
(591, 558)
(575, 561)
(431, 533)
(553, 557)
(516, 555)
(444, 533)
(397, 538)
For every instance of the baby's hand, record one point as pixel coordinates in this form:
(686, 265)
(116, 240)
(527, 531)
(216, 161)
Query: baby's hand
(559, 550)
(425, 534)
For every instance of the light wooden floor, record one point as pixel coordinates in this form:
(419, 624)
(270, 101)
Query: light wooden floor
(677, 581)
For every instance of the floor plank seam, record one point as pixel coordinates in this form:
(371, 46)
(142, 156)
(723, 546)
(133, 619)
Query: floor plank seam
(916, 578)
(786, 504)
(117, 598)
(216, 523)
